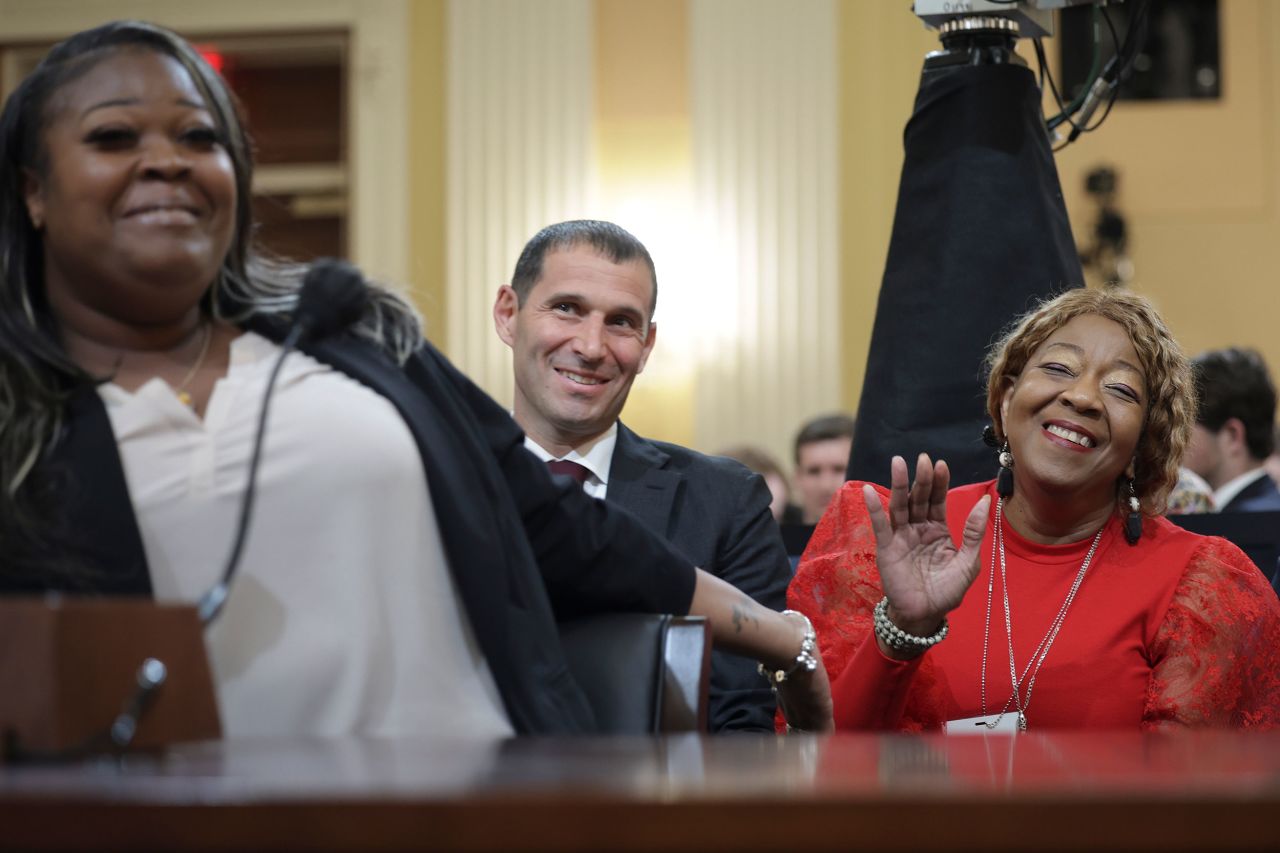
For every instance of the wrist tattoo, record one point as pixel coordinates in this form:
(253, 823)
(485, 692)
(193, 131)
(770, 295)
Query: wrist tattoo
(742, 615)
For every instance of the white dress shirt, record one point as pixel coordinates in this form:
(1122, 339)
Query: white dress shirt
(343, 617)
(595, 455)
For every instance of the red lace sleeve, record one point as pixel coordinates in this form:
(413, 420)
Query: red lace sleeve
(837, 586)
(1217, 651)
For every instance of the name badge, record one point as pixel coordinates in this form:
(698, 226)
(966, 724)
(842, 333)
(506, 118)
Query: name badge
(1008, 724)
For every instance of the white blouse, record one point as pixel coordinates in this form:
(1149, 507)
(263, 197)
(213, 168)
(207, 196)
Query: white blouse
(343, 617)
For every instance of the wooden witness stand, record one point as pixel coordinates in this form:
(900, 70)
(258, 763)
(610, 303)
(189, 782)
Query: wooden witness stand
(69, 667)
(1121, 791)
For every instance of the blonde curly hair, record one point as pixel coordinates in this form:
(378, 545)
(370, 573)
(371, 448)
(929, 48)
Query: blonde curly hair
(1171, 402)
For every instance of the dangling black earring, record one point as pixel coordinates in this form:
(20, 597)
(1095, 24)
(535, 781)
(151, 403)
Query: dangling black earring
(1004, 481)
(1133, 521)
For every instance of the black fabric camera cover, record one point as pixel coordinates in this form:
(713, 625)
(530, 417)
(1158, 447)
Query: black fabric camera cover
(980, 234)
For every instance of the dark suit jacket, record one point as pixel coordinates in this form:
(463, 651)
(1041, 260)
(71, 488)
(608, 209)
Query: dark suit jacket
(520, 544)
(715, 512)
(1259, 496)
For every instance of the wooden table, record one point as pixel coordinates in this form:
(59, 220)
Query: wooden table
(1185, 791)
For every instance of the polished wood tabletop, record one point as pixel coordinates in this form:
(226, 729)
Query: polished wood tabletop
(1121, 791)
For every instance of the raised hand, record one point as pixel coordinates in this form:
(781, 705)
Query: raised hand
(922, 572)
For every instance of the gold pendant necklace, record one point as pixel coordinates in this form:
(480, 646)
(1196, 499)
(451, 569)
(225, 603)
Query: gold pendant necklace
(184, 396)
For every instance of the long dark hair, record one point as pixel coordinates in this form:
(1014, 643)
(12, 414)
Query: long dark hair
(36, 375)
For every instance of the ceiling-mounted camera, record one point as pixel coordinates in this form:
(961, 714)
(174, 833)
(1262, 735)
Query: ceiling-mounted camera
(983, 32)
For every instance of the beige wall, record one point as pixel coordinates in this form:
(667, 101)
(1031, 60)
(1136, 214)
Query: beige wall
(882, 48)
(1199, 181)
(426, 166)
(707, 128)
(643, 135)
(1201, 193)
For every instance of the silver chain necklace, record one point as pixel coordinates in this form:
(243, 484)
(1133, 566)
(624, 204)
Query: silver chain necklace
(1046, 642)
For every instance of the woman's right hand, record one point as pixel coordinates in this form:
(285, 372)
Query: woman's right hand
(922, 572)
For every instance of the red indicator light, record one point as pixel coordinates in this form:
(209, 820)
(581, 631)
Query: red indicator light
(212, 56)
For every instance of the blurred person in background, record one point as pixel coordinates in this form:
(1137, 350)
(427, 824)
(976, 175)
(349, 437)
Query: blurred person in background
(1191, 495)
(822, 457)
(1235, 429)
(759, 460)
(1273, 461)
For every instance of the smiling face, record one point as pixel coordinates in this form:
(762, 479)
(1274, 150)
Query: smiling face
(135, 195)
(578, 342)
(1074, 415)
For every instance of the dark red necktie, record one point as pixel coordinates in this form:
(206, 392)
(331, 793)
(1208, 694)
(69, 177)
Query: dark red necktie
(569, 469)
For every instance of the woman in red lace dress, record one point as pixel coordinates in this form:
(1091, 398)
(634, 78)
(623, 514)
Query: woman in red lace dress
(1056, 596)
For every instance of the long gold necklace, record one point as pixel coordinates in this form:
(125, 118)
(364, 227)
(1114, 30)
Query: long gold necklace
(184, 396)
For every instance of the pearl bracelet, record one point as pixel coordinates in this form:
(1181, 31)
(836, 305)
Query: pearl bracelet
(805, 659)
(898, 639)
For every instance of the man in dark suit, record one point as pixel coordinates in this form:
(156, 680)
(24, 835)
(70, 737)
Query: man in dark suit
(578, 316)
(1235, 429)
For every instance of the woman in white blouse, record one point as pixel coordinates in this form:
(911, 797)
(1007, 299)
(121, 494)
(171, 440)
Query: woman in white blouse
(405, 557)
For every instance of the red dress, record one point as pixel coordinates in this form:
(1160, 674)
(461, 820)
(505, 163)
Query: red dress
(1178, 629)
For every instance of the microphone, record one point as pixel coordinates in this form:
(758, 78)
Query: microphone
(333, 297)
